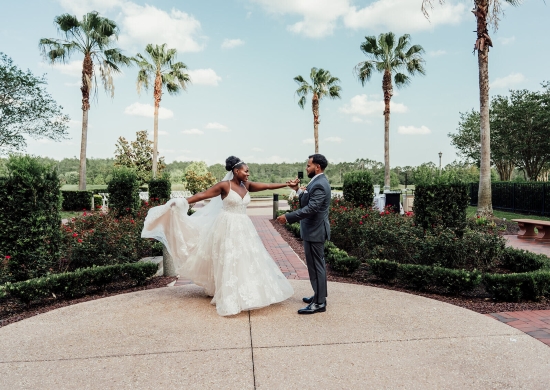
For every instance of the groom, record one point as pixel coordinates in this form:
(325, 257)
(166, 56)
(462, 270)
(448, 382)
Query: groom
(314, 229)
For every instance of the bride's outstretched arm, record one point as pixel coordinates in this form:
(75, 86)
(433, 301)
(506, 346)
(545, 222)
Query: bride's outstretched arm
(213, 191)
(255, 187)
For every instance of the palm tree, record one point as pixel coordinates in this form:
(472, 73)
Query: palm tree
(389, 57)
(93, 37)
(322, 84)
(486, 12)
(159, 68)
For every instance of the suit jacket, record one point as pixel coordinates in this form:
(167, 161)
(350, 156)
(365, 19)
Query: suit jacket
(313, 211)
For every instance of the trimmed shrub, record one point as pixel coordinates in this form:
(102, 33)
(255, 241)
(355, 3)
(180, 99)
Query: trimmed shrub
(29, 219)
(294, 228)
(383, 269)
(456, 281)
(98, 201)
(418, 277)
(339, 260)
(518, 260)
(77, 283)
(77, 200)
(123, 192)
(358, 188)
(441, 205)
(515, 287)
(160, 189)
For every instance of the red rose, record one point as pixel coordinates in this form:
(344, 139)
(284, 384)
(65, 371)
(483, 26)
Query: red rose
(74, 234)
(8, 257)
(361, 222)
(79, 240)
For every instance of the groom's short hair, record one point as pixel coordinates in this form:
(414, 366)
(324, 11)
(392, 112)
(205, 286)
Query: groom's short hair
(319, 159)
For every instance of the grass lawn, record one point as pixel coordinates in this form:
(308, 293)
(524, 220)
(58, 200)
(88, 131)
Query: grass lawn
(74, 187)
(70, 214)
(471, 212)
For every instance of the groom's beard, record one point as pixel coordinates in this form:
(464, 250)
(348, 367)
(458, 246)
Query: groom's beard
(311, 175)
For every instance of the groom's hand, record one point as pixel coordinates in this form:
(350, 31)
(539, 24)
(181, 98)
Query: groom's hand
(281, 219)
(293, 184)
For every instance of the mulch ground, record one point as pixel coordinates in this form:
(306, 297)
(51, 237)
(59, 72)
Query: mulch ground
(12, 311)
(477, 301)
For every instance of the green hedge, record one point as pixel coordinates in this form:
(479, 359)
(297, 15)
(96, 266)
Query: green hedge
(123, 192)
(358, 188)
(30, 237)
(77, 283)
(441, 205)
(339, 260)
(160, 189)
(421, 277)
(518, 260)
(77, 200)
(521, 286)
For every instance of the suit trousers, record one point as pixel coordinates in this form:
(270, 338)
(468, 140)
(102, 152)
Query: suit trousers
(315, 260)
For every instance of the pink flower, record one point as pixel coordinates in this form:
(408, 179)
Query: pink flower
(79, 240)
(8, 257)
(361, 222)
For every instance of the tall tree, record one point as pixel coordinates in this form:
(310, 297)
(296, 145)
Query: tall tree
(486, 12)
(94, 37)
(389, 57)
(322, 84)
(26, 108)
(137, 155)
(158, 66)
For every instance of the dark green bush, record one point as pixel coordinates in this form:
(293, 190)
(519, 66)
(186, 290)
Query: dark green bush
(29, 219)
(76, 200)
(77, 283)
(383, 269)
(160, 189)
(358, 188)
(522, 286)
(518, 260)
(339, 260)
(441, 205)
(98, 202)
(123, 192)
(418, 277)
(456, 280)
(294, 228)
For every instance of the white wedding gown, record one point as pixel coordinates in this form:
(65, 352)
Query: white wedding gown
(223, 254)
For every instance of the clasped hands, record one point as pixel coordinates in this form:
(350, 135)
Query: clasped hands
(293, 184)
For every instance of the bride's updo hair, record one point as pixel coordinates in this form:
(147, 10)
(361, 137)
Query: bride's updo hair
(232, 162)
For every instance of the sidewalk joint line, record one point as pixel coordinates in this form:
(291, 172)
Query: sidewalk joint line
(252, 349)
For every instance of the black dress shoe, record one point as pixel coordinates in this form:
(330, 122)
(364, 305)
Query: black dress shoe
(308, 300)
(313, 308)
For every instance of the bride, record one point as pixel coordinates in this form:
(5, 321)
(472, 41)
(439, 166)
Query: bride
(218, 247)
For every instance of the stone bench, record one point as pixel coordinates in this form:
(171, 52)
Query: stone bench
(527, 229)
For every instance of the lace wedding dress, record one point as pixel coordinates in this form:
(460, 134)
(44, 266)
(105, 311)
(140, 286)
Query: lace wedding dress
(220, 251)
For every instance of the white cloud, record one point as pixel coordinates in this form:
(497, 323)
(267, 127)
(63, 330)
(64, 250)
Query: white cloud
(508, 81)
(216, 126)
(437, 53)
(507, 41)
(320, 18)
(231, 43)
(257, 149)
(193, 132)
(361, 105)
(334, 139)
(356, 119)
(145, 24)
(72, 68)
(147, 110)
(308, 141)
(204, 77)
(403, 16)
(411, 130)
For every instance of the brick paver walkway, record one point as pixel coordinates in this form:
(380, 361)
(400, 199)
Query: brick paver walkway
(528, 244)
(287, 260)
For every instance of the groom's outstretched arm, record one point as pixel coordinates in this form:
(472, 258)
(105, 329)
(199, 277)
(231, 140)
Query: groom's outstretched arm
(316, 199)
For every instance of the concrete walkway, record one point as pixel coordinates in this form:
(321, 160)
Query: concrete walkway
(369, 338)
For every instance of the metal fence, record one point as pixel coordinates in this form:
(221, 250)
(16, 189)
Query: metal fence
(524, 198)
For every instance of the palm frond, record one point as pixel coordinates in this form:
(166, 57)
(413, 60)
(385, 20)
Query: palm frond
(363, 71)
(302, 102)
(299, 79)
(401, 80)
(334, 92)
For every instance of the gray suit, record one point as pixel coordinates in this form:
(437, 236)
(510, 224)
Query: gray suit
(314, 230)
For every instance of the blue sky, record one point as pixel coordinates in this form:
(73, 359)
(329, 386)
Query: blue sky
(243, 56)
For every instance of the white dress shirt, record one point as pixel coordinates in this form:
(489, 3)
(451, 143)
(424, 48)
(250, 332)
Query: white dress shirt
(313, 178)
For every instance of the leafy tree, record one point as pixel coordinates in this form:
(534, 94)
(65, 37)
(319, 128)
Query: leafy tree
(158, 67)
(487, 13)
(26, 108)
(322, 84)
(94, 37)
(389, 58)
(138, 155)
(199, 167)
(196, 182)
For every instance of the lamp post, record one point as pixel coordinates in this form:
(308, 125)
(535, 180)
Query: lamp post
(440, 162)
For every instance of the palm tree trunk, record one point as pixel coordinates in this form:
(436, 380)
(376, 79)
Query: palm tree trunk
(315, 108)
(388, 93)
(158, 96)
(87, 70)
(484, 205)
